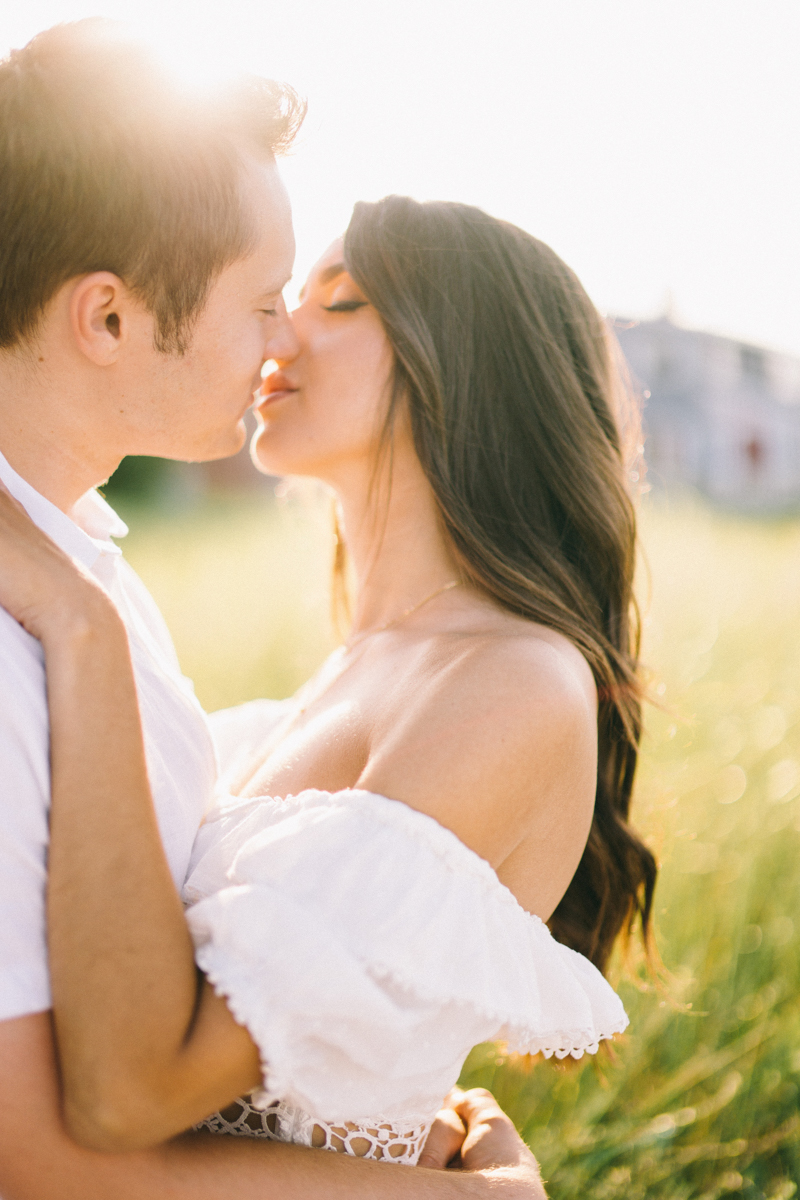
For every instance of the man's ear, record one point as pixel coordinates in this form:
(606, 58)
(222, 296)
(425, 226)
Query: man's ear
(100, 310)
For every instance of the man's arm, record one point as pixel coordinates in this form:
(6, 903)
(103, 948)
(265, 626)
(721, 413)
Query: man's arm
(39, 1162)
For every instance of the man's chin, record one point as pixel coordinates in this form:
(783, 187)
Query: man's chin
(224, 445)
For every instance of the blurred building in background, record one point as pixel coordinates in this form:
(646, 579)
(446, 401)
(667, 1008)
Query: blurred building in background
(720, 416)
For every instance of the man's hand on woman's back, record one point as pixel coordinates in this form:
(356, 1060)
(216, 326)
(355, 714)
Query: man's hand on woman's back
(473, 1127)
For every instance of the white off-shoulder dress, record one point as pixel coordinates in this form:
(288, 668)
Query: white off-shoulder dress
(367, 950)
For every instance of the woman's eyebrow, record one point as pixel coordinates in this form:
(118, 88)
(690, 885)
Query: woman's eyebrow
(331, 272)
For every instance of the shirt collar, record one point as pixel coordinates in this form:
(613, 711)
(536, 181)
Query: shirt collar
(84, 534)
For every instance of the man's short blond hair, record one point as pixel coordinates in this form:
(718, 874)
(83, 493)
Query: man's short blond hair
(107, 163)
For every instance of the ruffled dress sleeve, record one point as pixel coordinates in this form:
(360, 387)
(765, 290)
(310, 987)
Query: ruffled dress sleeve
(367, 949)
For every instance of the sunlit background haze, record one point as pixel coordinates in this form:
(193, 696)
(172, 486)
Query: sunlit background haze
(654, 145)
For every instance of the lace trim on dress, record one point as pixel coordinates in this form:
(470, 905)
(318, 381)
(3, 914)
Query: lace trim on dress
(387, 1141)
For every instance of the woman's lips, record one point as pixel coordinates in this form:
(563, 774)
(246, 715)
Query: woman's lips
(275, 387)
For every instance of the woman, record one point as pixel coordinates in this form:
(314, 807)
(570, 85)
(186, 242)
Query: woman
(457, 773)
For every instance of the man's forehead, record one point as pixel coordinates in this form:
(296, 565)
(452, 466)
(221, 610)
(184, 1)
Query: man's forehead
(271, 212)
(276, 286)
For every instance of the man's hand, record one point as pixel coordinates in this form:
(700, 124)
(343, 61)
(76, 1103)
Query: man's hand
(493, 1145)
(446, 1136)
(473, 1132)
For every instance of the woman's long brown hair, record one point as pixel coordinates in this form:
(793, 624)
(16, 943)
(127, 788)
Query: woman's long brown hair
(520, 421)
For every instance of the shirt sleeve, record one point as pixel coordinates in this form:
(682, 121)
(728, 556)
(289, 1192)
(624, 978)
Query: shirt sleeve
(24, 804)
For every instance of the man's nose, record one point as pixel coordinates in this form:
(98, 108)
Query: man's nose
(282, 342)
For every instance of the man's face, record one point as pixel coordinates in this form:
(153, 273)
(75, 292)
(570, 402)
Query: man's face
(191, 406)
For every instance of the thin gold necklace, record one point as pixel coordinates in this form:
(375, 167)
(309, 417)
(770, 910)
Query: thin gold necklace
(348, 645)
(358, 637)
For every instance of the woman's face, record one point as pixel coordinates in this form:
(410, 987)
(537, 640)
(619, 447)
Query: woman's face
(323, 409)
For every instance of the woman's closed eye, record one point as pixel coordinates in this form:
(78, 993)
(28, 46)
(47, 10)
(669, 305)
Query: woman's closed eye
(345, 306)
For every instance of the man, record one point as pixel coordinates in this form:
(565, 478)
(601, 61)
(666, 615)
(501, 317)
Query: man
(146, 240)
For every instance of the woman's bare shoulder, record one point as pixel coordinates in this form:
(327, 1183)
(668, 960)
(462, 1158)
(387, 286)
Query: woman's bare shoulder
(537, 662)
(511, 670)
(499, 729)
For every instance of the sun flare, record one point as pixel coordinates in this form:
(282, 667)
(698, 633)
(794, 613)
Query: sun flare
(190, 55)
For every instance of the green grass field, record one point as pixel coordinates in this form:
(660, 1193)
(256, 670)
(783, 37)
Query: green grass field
(700, 1098)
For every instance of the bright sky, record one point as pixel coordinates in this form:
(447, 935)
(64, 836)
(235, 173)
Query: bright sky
(655, 144)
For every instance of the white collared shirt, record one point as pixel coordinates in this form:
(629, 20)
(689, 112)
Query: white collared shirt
(180, 755)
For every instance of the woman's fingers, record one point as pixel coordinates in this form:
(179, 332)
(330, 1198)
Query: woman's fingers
(444, 1140)
(40, 585)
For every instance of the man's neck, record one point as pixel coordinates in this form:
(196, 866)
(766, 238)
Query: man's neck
(42, 435)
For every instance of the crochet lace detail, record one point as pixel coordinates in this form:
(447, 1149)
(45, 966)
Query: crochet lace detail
(391, 1141)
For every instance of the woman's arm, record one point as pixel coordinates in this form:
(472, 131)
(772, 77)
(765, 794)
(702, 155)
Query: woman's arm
(144, 1052)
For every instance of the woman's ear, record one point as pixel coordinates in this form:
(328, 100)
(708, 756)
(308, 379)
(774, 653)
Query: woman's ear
(99, 309)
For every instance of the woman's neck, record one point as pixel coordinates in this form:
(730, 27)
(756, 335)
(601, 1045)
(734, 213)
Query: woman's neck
(395, 543)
